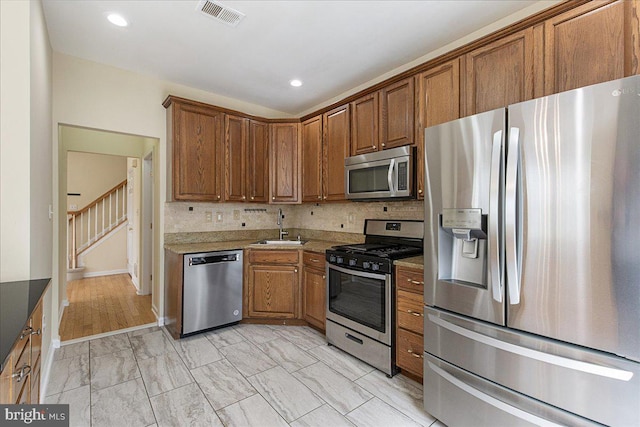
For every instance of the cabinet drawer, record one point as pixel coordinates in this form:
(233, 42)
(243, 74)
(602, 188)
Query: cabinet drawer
(410, 311)
(313, 260)
(409, 351)
(22, 358)
(410, 279)
(273, 256)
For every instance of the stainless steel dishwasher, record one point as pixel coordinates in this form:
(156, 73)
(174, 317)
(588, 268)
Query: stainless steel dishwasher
(212, 294)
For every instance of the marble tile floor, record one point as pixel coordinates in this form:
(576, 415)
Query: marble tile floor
(242, 375)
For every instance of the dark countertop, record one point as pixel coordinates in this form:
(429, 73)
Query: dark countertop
(17, 301)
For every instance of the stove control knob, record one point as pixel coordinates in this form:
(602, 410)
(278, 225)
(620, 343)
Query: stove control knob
(375, 267)
(339, 260)
(353, 262)
(366, 264)
(332, 258)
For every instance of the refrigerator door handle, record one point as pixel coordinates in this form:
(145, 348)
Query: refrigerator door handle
(494, 223)
(519, 413)
(511, 212)
(390, 175)
(552, 359)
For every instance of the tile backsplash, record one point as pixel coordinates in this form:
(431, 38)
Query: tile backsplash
(340, 217)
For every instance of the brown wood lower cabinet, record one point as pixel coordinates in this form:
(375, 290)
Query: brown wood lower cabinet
(271, 284)
(314, 287)
(410, 320)
(20, 379)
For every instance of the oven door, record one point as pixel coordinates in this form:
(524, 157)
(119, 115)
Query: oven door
(360, 301)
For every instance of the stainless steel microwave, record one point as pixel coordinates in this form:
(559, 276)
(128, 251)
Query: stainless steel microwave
(387, 174)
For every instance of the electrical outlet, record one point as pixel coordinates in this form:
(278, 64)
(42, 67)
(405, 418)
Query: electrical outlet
(208, 216)
(236, 214)
(218, 216)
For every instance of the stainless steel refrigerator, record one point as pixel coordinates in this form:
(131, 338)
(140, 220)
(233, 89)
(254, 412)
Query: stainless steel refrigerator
(532, 262)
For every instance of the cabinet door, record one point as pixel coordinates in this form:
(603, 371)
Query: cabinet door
(314, 297)
(235, 143)
(364, 124)
(499, 74)
(197, 156)
(258, 162)
(273, 291)
(591, 44)
(437, 101)
(396, 121)
(284, 163)
(312, 159)
(36, 351)
(337, 137)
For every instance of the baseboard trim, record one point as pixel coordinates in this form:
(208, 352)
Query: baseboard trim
(106, 273)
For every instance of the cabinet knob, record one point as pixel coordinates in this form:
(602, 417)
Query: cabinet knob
(273, 197)
(419, 191)
(26, 332)
(325, 197)
(295, 270)
(252, 198)
(324, 276)
(38, 332)
(383, 144)
(374, 147)
(320, 197)
(244, 197)
(218, 197)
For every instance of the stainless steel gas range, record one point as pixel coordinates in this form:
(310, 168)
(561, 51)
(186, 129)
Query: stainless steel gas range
(360, 290)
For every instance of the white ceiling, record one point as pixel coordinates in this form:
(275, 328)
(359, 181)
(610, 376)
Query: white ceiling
(332, 46)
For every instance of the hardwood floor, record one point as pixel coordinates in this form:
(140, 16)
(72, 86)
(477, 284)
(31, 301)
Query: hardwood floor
(103, 304)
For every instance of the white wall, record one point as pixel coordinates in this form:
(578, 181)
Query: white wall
(92, 175)
(15, 134)
(108, 256)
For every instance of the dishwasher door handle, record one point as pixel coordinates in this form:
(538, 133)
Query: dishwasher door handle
(213, 259)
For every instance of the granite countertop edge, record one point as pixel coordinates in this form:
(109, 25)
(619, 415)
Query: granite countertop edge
(189, 248)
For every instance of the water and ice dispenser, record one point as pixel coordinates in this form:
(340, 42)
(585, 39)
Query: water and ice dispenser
(462, 247)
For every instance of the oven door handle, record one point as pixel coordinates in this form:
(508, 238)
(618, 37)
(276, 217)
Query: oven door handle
(356, 272)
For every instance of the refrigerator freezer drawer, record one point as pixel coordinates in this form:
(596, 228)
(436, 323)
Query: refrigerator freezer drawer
(459, 398)
(592, 384)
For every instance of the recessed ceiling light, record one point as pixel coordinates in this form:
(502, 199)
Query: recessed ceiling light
(117, 20)
(295, 83)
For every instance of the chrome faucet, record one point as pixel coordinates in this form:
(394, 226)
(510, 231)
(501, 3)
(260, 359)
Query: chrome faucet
(281, 224)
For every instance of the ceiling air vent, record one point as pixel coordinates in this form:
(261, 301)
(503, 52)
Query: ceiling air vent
(220, 12)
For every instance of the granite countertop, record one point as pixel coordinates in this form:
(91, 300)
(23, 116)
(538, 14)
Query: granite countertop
(413, 262)
(17, 301)
(187, 248)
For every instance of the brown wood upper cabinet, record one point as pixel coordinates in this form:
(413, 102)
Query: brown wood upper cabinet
(284, 159)
(437, 101)
(499, 74)
(312, 159)
(235, 147)
(364, 124)
(335, 148)
(325, 145)
(396, 117)
(258, 162)
(593, 43)
(196, 136)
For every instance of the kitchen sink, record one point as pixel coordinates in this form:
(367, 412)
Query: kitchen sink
(282, 242)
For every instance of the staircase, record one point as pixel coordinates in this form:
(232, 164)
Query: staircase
(94, 222)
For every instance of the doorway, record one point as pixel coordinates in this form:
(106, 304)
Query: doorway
(123, 298)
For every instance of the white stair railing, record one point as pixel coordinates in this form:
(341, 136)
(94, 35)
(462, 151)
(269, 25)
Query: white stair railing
(91, 223)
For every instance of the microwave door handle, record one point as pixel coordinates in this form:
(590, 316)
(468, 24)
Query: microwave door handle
(390, 175)
(511, 243)
(494, 222)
